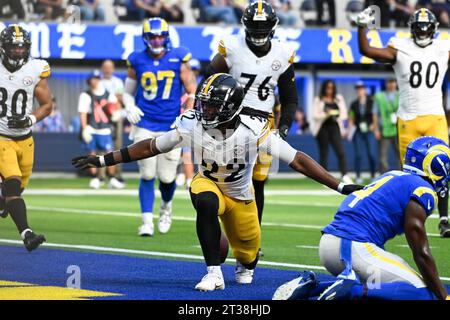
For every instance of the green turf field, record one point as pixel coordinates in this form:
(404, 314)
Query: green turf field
(290, 232)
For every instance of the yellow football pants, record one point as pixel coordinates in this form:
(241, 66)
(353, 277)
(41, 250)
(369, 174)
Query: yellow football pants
(16, 159)
(429, 125)
(264, 160)
(239, 219)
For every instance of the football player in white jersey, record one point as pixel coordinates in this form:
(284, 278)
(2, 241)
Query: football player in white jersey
(21, 80)
(420, 64)
(260, 64)
(226, 138)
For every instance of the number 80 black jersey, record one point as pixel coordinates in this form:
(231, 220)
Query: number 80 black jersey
(17, 93)
(420, 73)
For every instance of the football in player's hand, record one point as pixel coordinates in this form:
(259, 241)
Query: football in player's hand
(224, 246)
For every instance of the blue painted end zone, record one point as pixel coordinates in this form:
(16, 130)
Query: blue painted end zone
(134, 277)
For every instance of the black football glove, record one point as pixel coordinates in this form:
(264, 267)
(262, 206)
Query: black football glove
(84, 162)
(19, 122)
(283, 131)
(350, 188)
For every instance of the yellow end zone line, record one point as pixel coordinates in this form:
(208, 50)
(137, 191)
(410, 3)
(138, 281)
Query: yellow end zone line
(168, 254)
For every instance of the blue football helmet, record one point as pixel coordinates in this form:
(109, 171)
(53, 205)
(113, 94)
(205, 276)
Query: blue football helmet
(429, 157)
(152, 31)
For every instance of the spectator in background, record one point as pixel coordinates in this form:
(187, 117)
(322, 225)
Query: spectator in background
(285, 14)
(329, 115)
(171, 11)
(15, 8)
(441, 8)
(50, 9)
(239, 8)
(219, 11)
(53, 123)
(97, 107)
(114, 85)
(360, 125)
(142, 9)
(385, 122)
(398, 11)
(331, 12)
(90, 9)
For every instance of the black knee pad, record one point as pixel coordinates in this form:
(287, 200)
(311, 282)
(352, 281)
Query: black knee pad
(12, 188)
(206, 201)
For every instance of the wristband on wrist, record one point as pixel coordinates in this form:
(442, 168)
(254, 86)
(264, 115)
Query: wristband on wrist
(340, 187)
(33, 119)
(109, 159)
(102, 161)
(125, 155)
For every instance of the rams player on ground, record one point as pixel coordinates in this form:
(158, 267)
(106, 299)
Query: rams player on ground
(352, 246)
(153, 90)
(420, 64)
(260, 64)
(226, 138)
(22, 79)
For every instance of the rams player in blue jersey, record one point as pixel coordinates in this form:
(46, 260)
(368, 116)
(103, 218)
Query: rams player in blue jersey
(153, 89)
(352, 246)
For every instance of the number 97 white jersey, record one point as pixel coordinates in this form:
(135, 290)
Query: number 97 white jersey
(420, 73)
(258, 75)
(17, 93)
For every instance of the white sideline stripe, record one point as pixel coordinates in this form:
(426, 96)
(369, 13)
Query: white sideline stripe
(106, 192)
(179, 218)
(137, 215)
(185, 195)
(307, 247)
(166, 254)
(158, 254)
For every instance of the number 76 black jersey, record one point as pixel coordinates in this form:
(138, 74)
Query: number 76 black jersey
(17, 93)
(420, 73)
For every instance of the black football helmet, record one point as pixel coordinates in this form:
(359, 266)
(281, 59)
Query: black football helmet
(218, 100)
(15, 47)
(259, 20)
(423, 25)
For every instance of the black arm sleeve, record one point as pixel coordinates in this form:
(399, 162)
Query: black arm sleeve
(288, 97)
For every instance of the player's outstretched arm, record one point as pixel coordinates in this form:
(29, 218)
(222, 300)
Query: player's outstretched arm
(306, 165)
(383, 55)
(140, 150)
(418, 242)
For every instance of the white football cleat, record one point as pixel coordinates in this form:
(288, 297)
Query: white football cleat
(346, 179)
(213, 280)
(146, 230)
(115, 183)
(165, 217)
(94, 183)
(242, 274)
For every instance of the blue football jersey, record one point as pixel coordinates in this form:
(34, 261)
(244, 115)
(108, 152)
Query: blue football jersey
(159, 87)
(376, 213)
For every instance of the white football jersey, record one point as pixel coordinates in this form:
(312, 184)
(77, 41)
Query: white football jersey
(228, 162)
(17, 93)
(420, 73)
(258, 75)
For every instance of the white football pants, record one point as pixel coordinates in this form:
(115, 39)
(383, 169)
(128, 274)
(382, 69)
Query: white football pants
(163, 166)
(371, 263)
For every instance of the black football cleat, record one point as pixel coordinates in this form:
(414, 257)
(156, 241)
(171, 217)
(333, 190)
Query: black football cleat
(3, 213)
(32, 240)
(444, 229)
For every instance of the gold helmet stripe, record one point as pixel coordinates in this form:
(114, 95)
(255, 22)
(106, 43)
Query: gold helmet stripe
(211, 80)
